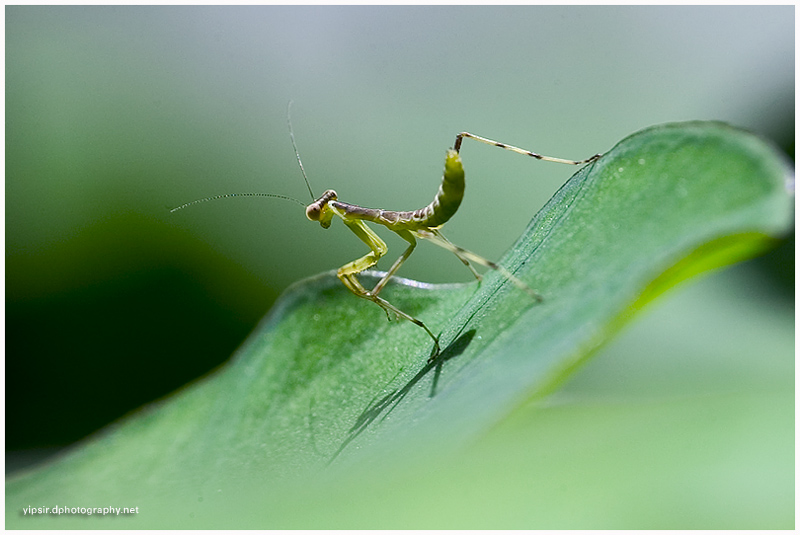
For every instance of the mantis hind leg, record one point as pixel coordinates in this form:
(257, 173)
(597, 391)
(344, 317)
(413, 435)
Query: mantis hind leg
(462, 135)
(436, 237)
(456, 250)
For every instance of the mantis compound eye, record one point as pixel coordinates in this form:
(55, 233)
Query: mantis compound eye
(313, 211)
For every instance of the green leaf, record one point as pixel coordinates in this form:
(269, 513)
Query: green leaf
(327, 398)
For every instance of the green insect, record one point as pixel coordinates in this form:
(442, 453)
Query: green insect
(410, 226)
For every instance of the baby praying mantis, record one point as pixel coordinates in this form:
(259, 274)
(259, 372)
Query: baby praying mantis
(424, 223)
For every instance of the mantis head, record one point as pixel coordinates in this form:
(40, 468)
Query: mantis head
(319, 209)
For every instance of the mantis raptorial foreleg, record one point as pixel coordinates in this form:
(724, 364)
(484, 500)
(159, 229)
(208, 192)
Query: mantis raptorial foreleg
(348, 273)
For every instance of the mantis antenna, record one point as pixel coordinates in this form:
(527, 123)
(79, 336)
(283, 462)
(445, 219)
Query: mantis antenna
(215, 197)
(294, 146)
(273, 195)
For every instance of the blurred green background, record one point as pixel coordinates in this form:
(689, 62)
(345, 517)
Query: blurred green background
(116, 114)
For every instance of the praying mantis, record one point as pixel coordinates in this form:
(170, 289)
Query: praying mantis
(424, 223)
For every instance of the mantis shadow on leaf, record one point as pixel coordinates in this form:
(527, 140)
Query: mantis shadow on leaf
(387, 403)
